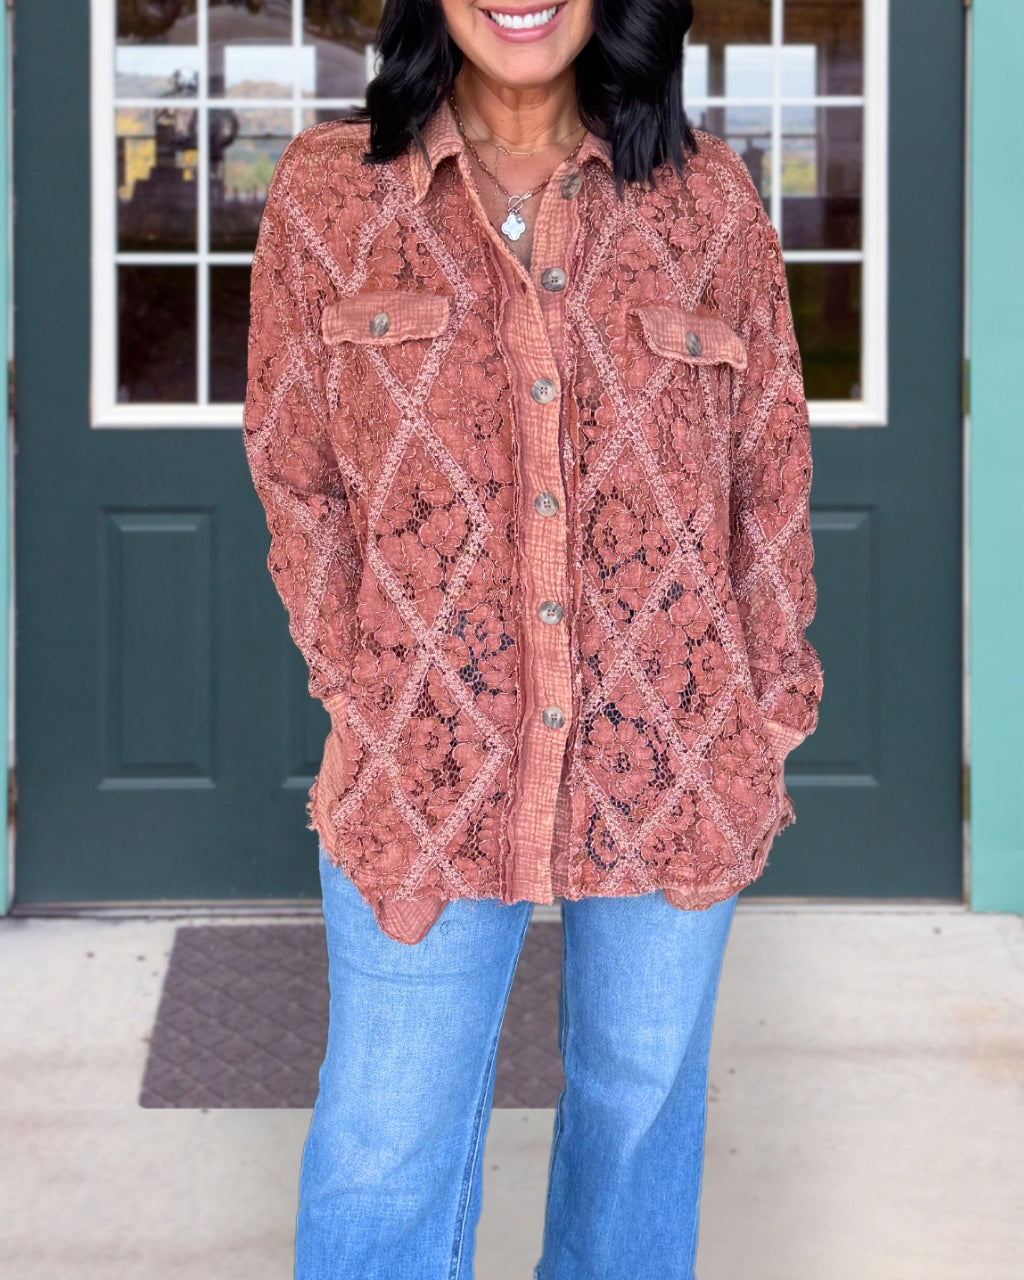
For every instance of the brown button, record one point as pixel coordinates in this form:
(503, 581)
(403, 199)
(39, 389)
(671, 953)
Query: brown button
(380, 324)
(693, 343)
(571, 184)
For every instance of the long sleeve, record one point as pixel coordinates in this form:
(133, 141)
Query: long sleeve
(771, 553)
(314, 557)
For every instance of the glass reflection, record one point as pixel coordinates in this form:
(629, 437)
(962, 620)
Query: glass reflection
(156, 179)
(732, 61)
(166, 71)
(251, 53)
(825, 298)
(748, 71)
(799, 70)
(229, 326)
(156, 334)
(153, 21)
(245, 145)
(748, 130)
(341, 38)
(833, 30)
(156, 55)
(320, 115)
(822, 160)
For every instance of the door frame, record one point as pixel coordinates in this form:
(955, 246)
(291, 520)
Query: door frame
(6, 472)
(993, 617)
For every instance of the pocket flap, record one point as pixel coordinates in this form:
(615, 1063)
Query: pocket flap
(683, 335)
(379, 319)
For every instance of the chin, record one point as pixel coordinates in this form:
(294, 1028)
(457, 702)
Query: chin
(514, 77)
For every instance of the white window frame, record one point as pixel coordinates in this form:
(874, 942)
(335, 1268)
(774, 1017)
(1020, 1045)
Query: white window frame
(872, 409)
(105, 410)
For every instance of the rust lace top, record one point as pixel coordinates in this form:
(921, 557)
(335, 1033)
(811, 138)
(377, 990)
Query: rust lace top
(542, 535)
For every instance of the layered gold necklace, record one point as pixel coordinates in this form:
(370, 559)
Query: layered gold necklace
(514, 225)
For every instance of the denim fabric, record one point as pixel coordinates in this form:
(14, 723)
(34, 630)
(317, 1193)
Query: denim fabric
(391, 1178)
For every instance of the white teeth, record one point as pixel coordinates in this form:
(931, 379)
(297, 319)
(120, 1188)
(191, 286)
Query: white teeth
(523, 21)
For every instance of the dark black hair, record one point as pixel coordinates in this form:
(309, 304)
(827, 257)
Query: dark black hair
(629, 81)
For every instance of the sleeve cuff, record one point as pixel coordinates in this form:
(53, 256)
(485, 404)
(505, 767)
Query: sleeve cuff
(782, 737)
(336, 704)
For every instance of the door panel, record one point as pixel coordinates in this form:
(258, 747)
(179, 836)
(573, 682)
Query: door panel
(165, 739)
(843, 750)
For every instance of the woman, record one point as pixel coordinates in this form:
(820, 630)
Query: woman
(526, 415)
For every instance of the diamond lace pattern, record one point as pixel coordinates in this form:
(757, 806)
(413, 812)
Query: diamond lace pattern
(388, 472)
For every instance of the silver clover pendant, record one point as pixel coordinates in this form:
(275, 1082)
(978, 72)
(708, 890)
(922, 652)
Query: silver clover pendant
(513, 226)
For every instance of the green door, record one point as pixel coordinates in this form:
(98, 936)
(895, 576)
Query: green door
(165, 740)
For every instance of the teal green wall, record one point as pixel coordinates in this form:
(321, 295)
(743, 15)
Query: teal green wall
(996, 458)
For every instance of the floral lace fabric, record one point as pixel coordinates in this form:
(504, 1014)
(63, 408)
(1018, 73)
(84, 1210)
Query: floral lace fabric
(399, 463)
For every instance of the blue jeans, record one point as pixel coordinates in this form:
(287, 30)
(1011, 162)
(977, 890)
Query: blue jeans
(391, 1179)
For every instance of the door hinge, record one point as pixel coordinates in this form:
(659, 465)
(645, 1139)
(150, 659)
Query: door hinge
(12, 797)
(965, 792)
(965, 386)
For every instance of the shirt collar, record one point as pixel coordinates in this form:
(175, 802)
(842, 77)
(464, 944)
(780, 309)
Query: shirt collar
(441, 138)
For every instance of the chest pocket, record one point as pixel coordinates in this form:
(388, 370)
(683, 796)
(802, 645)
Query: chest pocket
(694, 339)
(384, 319)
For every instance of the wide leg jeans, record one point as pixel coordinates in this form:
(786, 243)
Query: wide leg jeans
(391, 1179)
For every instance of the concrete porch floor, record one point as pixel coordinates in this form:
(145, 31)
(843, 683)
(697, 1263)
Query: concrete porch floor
(866, 1117)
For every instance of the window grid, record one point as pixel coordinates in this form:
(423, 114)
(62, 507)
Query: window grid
(203, 207)
(106, 412)
(872, 408)
(775, 211)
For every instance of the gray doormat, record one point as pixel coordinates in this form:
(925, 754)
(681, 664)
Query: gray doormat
(242, 1020)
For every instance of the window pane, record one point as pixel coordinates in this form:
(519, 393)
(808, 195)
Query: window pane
(825, 298)
(157, 334)
(156, 179)
(156, 53)
(822, 162)
(731, 60)
(156, 21)
(748, 71)
(833, 31)
(320, 115)
(251, 52)
(340, 37)
(245, 144)
(250, 55)
(229, 327)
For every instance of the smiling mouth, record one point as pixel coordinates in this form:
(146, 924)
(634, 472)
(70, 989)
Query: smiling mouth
(523, 21)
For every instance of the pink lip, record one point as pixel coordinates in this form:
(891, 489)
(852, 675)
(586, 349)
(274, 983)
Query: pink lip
(525, 35)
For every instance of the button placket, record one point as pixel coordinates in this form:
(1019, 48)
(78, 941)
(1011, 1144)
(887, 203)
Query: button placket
(538, 317)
